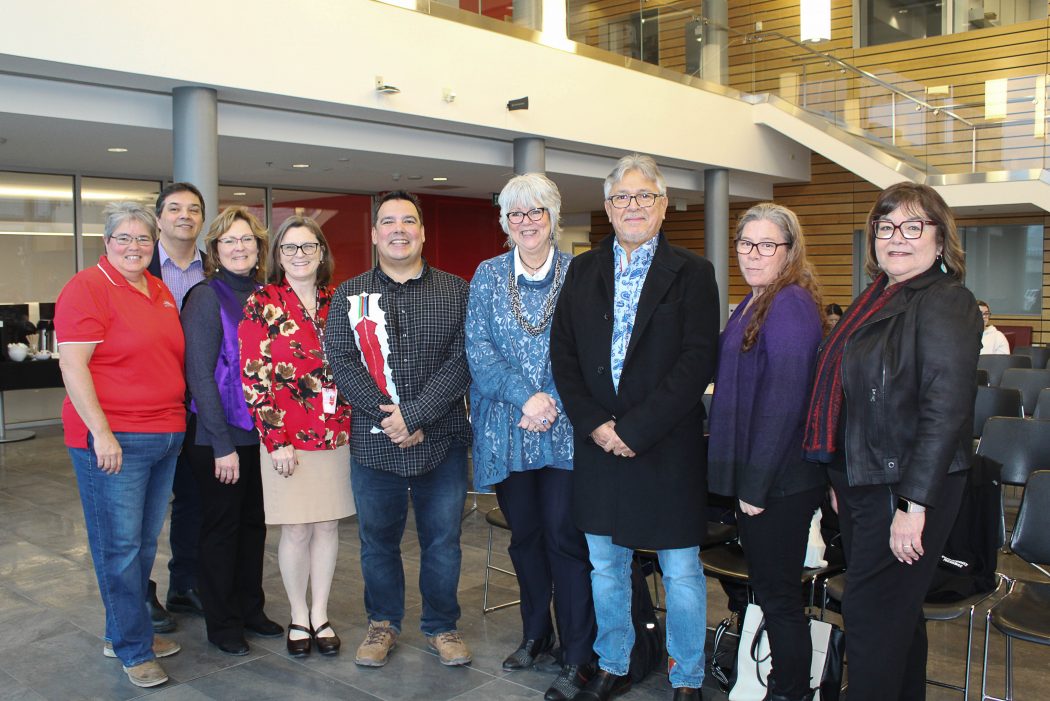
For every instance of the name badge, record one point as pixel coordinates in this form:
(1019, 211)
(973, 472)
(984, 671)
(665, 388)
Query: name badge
(328, 396)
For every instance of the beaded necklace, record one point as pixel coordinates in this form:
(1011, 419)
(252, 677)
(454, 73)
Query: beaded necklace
(546, 311)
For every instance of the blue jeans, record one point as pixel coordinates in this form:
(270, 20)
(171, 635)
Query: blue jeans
(382, 508)
(124, 513)
(686, 609)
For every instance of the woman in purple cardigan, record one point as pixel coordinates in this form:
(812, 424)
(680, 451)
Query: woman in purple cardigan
(765, 368)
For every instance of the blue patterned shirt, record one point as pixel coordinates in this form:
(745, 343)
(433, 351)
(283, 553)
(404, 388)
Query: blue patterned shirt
(627, 290)
(177, 280)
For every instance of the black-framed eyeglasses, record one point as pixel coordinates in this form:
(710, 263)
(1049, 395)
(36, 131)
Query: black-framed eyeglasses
(643, 199)
(534, 214)
(290, 249)
(765, 248)
(910, 229)
(126, 239)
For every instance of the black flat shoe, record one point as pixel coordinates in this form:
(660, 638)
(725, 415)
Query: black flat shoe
(188, 601)
(603, 686)
(329, 644)
(232, 646)
(264, 628)
(525, 656)
(300, 647)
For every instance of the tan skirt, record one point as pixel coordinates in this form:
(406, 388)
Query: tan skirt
(318, 490)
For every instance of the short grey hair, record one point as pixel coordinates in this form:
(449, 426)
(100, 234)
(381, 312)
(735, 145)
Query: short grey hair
(636, 162)
(116, 213)
(528, 191)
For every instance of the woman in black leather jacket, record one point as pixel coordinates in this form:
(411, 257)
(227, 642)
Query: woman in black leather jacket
(891, 416)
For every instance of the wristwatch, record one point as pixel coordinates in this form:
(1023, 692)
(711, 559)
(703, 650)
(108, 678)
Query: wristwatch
(909, 507)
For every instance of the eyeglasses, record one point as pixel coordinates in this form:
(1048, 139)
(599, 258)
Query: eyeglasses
(765, 248)
(290, 249)
(911, 229)
(248, 240)
(643, 199)
(533, 214)
(125, 240)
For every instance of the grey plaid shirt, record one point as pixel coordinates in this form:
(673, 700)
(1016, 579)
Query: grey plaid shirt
(386, 339)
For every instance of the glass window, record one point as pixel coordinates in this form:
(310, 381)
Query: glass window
(95, 194)
(36, 237)
(254, 198)
(346, 221)
(1004, 266)
(886, 21)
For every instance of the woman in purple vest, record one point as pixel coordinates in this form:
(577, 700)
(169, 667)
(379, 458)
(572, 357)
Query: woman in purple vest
(225, 446)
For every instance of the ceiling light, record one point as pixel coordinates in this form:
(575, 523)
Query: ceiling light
(239, 194)
(117, 149)
(300, 165)
(815, 20)
(440, 180)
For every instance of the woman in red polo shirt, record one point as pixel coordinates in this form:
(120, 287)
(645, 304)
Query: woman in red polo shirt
(122, 357)
(303, 422)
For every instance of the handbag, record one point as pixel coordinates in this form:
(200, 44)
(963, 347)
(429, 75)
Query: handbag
(754, 659)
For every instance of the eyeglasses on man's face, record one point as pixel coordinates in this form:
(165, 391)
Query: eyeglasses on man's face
(642, 199)
(126, 239)
(765, 248)
(248, 240)
(534, 214)
(308, 249)
(910, 229)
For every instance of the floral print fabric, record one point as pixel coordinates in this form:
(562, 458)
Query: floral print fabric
(284, 371)
(628, 280)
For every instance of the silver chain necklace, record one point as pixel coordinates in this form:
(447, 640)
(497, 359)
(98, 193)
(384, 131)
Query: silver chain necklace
(546, 311)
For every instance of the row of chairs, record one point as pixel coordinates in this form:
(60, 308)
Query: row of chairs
(990, 368)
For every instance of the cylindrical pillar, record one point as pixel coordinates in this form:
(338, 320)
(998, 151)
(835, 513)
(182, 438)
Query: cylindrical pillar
(530, 155)
(195, 143)
(716, 233)
(714, 52)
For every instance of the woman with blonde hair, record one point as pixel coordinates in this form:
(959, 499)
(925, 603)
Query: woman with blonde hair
(765, 368)
(224, 454)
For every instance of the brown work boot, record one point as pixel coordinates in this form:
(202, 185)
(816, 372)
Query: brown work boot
(375, 650)
(451, 648)
(162, 647)
(147, 674)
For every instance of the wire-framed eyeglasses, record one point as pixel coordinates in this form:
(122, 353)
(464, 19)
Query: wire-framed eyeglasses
(643, 199)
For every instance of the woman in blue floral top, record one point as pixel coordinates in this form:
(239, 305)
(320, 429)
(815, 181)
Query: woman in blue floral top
(522, 441)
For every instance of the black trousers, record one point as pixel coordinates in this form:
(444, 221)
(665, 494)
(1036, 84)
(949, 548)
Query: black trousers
(232, 538)
(886, 641)
(775, 546)
(185, 529)
(548, 553)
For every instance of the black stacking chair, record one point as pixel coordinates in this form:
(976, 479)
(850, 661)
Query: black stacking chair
(1040, 355)
(1042, 405)
(995, 365)
(982, 377)
(495, 519)
(1024, 613)
(994, 401)
(1020, 446)
(1030, 382)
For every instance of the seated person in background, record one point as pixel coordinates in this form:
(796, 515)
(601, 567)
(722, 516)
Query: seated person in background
(993, 341)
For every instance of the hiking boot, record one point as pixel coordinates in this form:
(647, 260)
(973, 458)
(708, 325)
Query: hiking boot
(147, 674)
(375, 650)
(450, 647)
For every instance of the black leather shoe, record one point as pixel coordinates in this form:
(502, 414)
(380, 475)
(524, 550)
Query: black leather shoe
(264, 628)
(603, 686)
(163, 622)
(569, 682)
(188, 601)
(300, 647)
(232, 646)
(685, 693)
(328, 644)
(526, 654)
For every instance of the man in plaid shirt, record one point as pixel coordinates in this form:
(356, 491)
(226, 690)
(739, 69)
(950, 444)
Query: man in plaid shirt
(395, 341)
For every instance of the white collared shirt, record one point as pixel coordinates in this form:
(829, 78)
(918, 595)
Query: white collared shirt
(520, 269)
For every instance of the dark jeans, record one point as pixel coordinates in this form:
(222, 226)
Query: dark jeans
(882, 607)
(548, 553)
(233, 534)
(382, 511)
(775, 545)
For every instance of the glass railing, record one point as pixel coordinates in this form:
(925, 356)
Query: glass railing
(965, 103)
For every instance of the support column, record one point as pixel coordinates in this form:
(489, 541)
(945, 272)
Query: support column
(716, 233)
(714, 52)
(195, 143)
(530, 155)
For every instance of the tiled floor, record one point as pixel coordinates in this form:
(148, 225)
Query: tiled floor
(51, 619)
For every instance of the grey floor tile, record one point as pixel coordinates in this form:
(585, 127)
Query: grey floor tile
(270, 678)
(12, 690)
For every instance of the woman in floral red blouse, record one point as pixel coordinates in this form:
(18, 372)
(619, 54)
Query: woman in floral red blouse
(303, 422)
